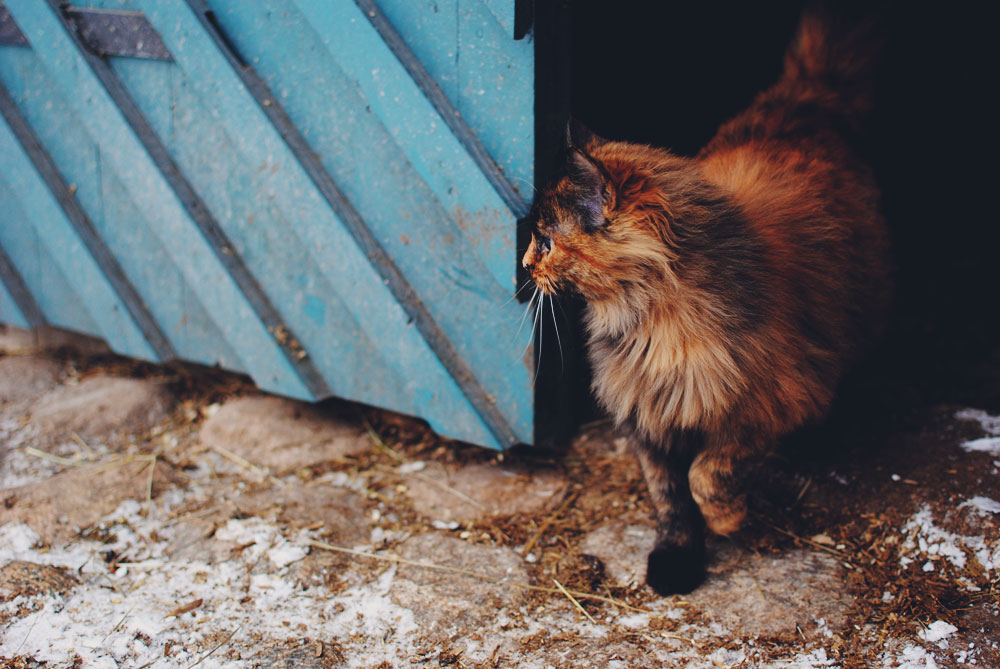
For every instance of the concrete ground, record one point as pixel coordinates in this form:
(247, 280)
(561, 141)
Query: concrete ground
(172, 516)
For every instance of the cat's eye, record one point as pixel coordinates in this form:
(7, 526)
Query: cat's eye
(544, 243)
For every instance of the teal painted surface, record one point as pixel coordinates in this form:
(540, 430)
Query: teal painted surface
(108, 316)
(116, 216)
(55, 293)
(159, 205)
(386, 147)
(467, 46)
(9, 313)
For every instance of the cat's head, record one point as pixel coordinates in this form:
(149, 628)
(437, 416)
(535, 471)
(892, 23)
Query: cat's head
(591, 232)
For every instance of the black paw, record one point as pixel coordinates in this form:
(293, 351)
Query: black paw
(673, 569)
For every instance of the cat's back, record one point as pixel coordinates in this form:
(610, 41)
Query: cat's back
(792, 163)
(794, 156)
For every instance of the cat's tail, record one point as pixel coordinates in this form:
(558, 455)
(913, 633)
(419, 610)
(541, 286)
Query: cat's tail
(836, 57)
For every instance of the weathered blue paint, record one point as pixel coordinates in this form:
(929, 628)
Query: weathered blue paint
(9, 311)
(366, 128)
(174, 305)
(55, 294)
(17, 306)
(402, 290)
(73, 214)
(162, 209)
(468, 47)
(53, 229)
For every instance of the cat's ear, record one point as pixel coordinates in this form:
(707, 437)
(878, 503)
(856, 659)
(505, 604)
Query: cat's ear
(593, 191)
(588, 174)
(579, 136)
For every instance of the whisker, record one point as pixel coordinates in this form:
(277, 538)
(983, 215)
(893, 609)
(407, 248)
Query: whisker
(524, 316)
(541, 333)
(516, 292)
(555, 325)
(530, 185)
(534, 324)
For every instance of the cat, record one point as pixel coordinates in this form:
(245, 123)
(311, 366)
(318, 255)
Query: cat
(725, 294)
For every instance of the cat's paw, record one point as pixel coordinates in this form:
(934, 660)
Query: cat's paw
(672, 569)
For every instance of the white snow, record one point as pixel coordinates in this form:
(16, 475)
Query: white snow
(990, 425)
(937, 631)
(925, 538)
(812, 660)
(989, 445)
(915, 657)
(15, 539)
(411, 467)
(285, 554)
(121, 618)
(984, 505)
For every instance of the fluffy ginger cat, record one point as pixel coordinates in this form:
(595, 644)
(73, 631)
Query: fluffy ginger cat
(726, 294)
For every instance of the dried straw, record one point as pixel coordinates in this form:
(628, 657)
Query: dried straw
(472, 574)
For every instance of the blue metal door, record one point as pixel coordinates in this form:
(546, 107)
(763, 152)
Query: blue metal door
(322, 194)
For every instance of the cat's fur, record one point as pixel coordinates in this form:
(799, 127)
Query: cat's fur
(726, 294)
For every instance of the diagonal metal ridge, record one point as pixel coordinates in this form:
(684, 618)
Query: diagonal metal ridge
(393, 277)
(19, 291)
(85, 230)
(447, 111)
(195, 207)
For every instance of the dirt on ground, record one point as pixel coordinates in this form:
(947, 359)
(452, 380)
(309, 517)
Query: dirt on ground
(174, 516)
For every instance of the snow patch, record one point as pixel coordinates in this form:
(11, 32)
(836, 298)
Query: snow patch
(123, 618)
(915, 657)
(924, 539)
(16, 539)
(937, 631)
(983, 505)
(990, 424)
(412, 467)
(812, 660)
(989, 445)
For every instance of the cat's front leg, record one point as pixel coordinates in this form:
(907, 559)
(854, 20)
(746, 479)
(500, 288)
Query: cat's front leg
(677, 562)
(718, 481)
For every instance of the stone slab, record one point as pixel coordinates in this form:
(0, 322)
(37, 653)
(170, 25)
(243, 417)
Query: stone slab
(281, 435)
(60, 506)
(479, 490)
(444, 602)
(771, 594)
(102, 407)
(296, 506)
(622, 545)
(25, 377)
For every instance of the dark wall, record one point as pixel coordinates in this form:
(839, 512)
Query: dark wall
(669, 73)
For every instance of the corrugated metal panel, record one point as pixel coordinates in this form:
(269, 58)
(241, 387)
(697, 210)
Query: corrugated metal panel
(319, 194)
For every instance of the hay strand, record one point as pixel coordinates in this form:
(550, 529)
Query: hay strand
(465, 572)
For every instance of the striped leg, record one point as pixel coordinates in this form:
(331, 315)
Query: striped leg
(718, 479)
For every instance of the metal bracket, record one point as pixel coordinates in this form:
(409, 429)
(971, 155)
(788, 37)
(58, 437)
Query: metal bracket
(105, 32)
(10, 34)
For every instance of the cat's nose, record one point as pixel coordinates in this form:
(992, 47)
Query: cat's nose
(528, 260)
